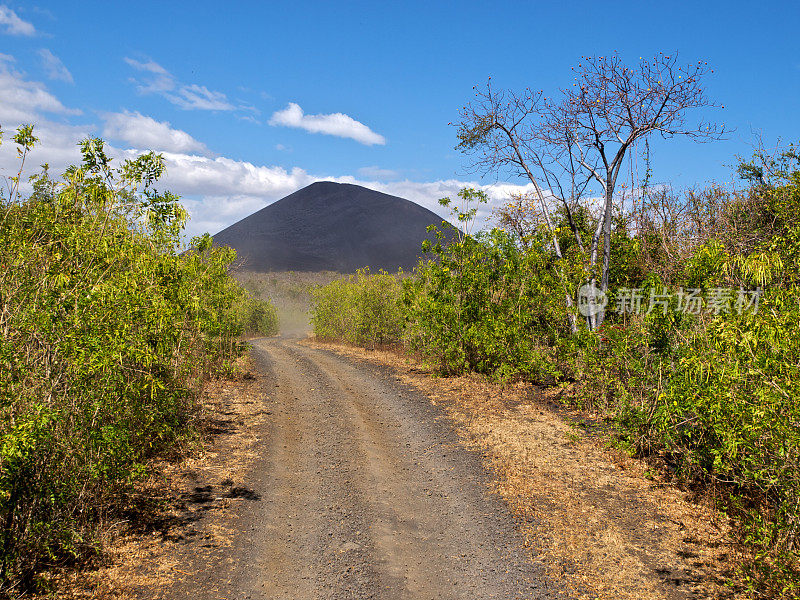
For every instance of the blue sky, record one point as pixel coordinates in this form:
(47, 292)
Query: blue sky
(223, 90)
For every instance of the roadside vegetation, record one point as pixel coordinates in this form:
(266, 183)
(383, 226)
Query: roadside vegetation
(711, 398)
(108, 334)
(361, 309)
(289, 292)
(687, 339)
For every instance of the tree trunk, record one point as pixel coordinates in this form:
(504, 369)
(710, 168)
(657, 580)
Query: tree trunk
(607, 236)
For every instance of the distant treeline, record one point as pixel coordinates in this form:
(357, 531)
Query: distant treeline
(697, 360)
(107, 334)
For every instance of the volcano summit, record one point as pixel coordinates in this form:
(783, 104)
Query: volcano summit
(330, 226)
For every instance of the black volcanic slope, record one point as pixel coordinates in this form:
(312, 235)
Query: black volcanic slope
(331, 227)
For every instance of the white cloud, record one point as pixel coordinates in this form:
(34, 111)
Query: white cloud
(337, 124)
(217, 191)
(148, 134)
(378, 174)
(13, 24)
(25, 101)
(53, 66)
(150, 66)
(212, 214)
(250, 119)
(22, 101)
(199, 97)
(157, 80)
(428, 193)
(189, 174)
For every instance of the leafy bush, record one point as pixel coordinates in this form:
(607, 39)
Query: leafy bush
(362, 309)
(714, 395)
(107, 335)
(487, 302)
(479, 308)
(736, 387)
(258, 317)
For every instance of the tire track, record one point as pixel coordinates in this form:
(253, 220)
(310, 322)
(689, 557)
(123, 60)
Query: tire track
(366, 493)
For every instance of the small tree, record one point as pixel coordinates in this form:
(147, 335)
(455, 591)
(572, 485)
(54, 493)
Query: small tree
(565, 146)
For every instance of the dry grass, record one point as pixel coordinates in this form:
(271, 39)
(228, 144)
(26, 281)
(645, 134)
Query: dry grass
(182, 509)
(590, 513)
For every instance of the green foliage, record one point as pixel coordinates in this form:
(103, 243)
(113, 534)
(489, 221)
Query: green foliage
(107, 333)
(488, 303)
(478, 307)
(362, 309)
(258, 317)
(714, 395)
(736, 388)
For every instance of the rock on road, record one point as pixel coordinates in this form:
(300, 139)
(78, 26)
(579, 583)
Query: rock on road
(364, 492)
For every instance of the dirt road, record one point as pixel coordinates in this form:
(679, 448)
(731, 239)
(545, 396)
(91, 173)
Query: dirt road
(362, 491)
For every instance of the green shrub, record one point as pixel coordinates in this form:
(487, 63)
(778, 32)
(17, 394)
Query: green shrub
(362, 309)
(487, 304)
(717, 395)
(258, 317)
(107, 333)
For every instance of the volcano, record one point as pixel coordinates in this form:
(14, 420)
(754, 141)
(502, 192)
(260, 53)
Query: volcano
(329, 226)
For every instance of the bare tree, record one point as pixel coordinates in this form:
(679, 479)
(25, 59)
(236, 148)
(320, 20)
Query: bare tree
(562, 146)
(520, 215)
(498, 129)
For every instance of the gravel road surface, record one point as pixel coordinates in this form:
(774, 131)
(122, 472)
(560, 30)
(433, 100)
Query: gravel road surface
(364, 491)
